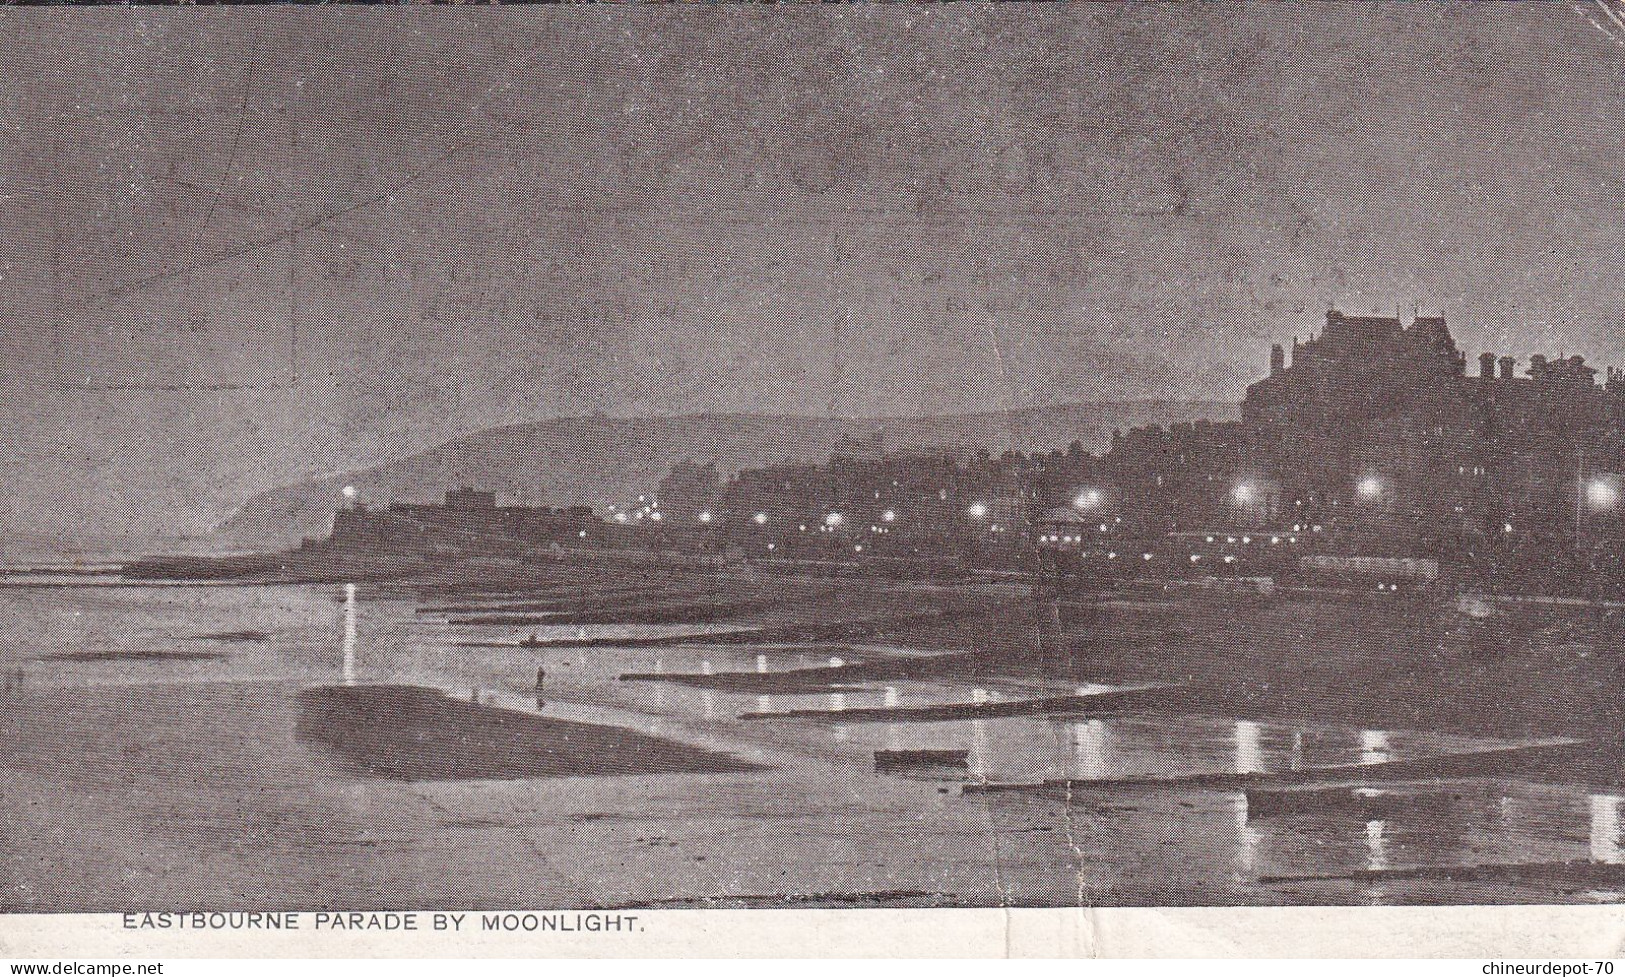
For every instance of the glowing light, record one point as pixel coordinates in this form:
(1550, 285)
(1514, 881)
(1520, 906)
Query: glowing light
(977, 510)
(655, 516)
(582, 534)
(705, 517)
(834, 519)
(1369, 487)
(1087, 499)
(1245, 493)
(888, 516)
(620, 517)
(349, 491)
(760, 518)
(1602, 493)
(858, 548)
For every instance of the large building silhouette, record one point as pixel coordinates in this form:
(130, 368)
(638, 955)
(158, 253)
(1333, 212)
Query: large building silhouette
(1375, 441)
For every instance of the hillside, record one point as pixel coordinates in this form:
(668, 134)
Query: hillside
(596, 460)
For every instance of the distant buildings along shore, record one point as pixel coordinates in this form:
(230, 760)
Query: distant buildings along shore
(1372, 454)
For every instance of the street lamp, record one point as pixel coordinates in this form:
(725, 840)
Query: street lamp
(1253, 499)
(1602, 492)
(1369, 487)
(977, 510)
(760, 518)
(1087, 499)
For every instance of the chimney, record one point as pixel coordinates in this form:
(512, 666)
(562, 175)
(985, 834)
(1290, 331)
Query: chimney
(1537, 366)
(1277, 359)
(1486, 365)
(1507, 364)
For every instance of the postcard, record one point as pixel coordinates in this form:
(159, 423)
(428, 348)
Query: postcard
(1099, 480)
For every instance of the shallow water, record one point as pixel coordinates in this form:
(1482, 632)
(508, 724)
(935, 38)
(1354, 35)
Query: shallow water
(822, 819)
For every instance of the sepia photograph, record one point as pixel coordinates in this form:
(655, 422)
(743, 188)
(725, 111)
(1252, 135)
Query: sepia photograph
(565, 464)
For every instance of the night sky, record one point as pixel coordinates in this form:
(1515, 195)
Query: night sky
(241, 246)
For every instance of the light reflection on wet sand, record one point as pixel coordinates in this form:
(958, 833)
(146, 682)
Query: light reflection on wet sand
(1249, 749)
(1374, 746)
(1248, 838)
(347, 647)
(824, 783)
(1376, 845)
(1605, 829)
(1022, 748)
(1090, 740)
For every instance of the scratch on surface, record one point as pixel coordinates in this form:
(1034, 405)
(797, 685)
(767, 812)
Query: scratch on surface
(998, 875)
(510, 71)
(1612, 16)
(231, 152)
(259, 244)
(1012, 400)
(1617, 34)
(1072, 838)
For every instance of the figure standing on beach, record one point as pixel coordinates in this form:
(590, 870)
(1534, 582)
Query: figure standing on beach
(541, 679)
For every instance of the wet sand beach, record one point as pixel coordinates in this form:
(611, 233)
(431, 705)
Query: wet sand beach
(155, 756)
(412, 733)
(166, 796)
